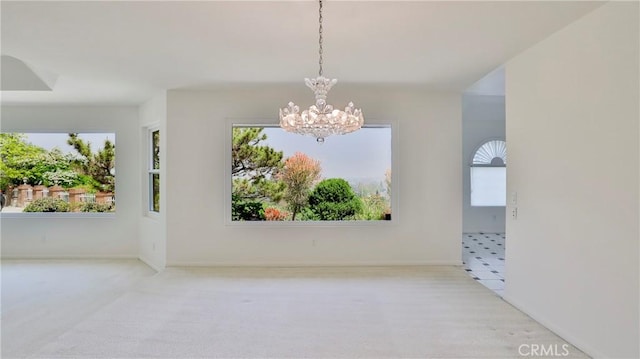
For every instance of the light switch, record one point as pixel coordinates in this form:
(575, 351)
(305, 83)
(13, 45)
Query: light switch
(514, 198)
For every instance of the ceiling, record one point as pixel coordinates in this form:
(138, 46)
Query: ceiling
(492, 84)
(122, 52)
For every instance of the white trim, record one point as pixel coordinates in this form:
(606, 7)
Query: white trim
(152, 215)
(150, 263)
(57, 131)
(58, 257)
(319, 224)
(68, 215)
(435, 263)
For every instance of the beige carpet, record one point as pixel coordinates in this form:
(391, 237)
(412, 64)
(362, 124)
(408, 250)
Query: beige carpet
(391, 312)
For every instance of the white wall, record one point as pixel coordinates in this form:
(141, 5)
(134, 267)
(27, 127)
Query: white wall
(153, 226)
(426, 227)
(114, 236)
(483, 119)
(572, 129)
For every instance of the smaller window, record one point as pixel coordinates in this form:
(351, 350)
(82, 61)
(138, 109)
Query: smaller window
(489, 175)
(43, 172)
(154, 170)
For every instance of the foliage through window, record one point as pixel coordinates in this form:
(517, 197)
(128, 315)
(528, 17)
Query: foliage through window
(279, 176)
(489, 175)
(154, 170)
(58, 172)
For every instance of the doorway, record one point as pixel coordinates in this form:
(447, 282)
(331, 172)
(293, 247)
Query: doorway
(484, 181)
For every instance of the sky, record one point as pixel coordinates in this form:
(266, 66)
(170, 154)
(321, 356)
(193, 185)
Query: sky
(361, 155)
(364, 154)
(49, 141)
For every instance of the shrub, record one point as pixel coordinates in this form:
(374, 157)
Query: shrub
(306, 214)
(374, 208)
(95, 207)
(274, 214)
(333, 200)
(246, 210)
(47, 204)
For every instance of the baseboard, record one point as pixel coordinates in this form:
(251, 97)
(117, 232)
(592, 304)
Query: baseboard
(559, 331)
(309, 264)
(151, 264)
(69, 257)
(158, 268)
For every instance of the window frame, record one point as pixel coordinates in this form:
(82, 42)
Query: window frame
(228, 185)
(486, 165)
(151, 171)
(67, 215)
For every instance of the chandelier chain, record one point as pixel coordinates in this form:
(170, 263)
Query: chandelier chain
(320, 38)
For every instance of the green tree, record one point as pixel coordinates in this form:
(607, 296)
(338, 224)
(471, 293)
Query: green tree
(100, 165)
(253, 165)
(250, 159)
(22, 160)
(16, 154)
(300, 173)
(333, 200)
(55, 167)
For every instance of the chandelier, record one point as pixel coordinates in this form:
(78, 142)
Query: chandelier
(320, 120)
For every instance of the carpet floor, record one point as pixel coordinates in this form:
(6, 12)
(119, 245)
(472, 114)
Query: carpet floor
(123, 309)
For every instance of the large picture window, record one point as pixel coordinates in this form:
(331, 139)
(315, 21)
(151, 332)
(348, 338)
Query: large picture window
(58, 172)
(279, 176)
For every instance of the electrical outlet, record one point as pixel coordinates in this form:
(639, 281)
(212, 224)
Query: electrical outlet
(514, 213)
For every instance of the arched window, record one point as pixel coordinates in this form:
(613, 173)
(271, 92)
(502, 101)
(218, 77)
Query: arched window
(489, 174)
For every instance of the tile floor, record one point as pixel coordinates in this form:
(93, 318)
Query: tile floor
(483, 259)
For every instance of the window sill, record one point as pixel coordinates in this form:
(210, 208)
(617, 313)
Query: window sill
(281, 224)
(152, 215)
(61, 215)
